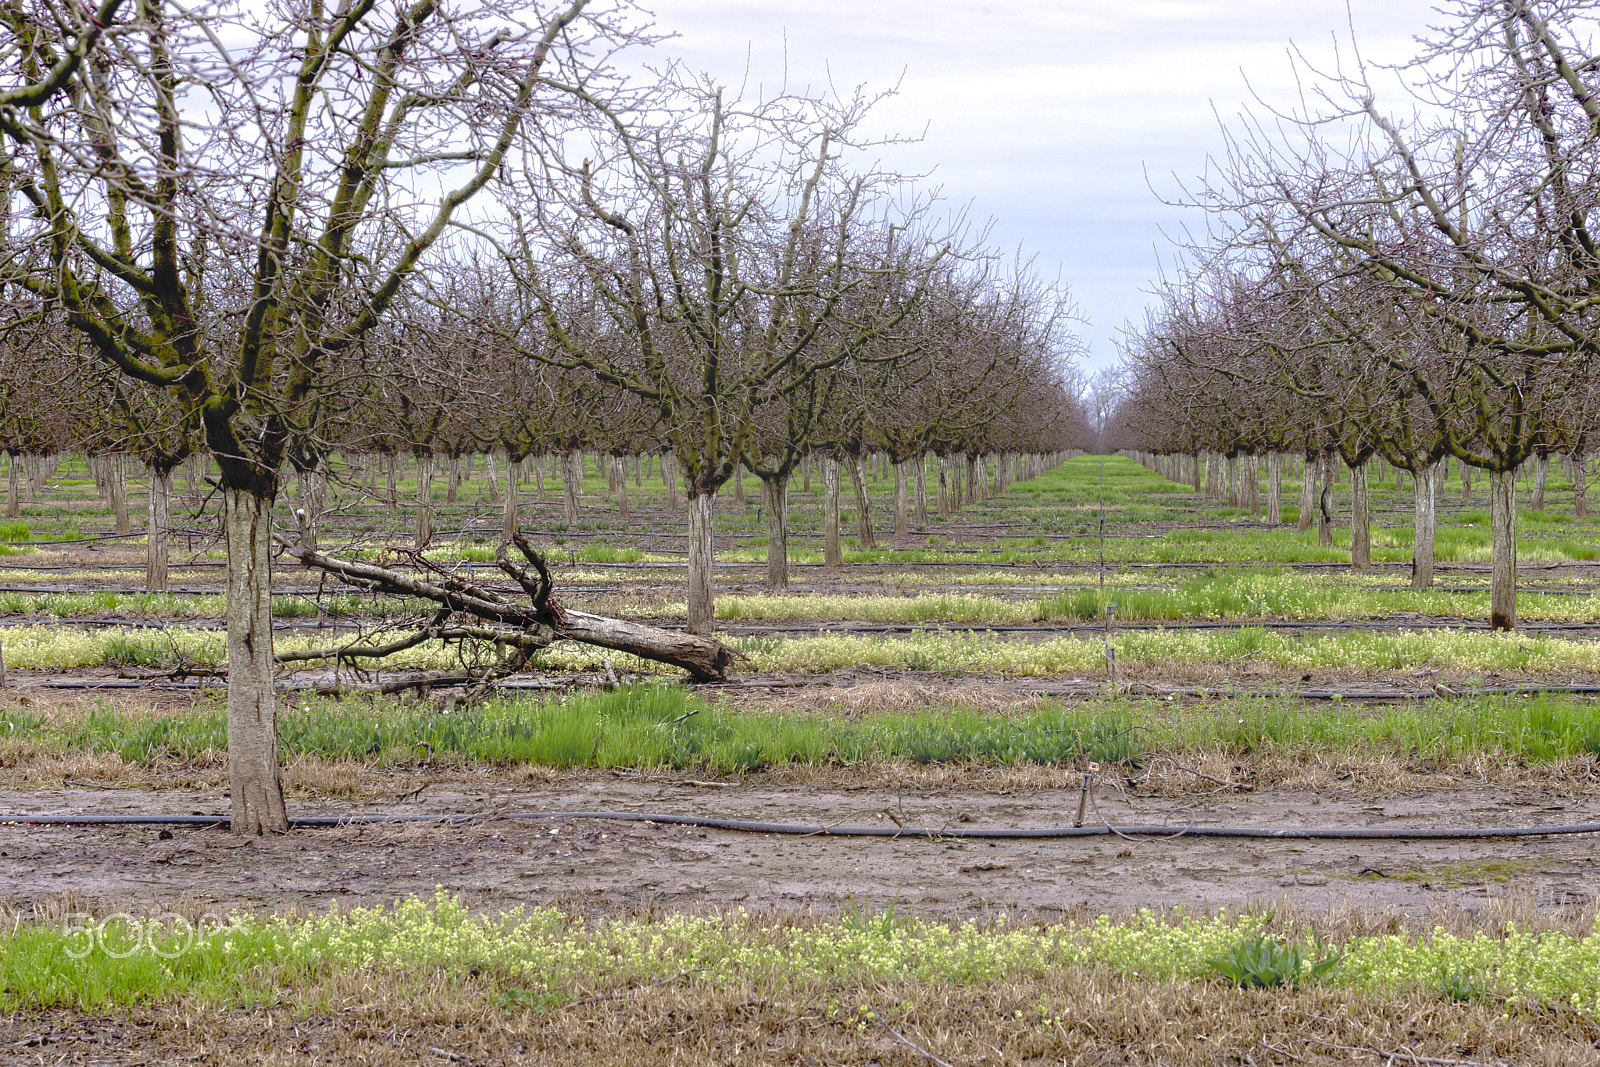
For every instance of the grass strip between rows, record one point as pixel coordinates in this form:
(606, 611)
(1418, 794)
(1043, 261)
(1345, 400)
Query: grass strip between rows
(661, 727)
(549, 958)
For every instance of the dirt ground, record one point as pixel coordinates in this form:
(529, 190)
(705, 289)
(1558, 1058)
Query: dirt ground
(608, 866)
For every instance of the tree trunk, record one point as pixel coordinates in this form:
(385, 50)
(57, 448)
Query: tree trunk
(832, 551)
(156, 556)
(622, 488)
(1503, 570)
(777, 492)
(706, 660)
(116, 468)
(571, 478)
(902, 517)
(1194, 471)
(702, 600)
(738, 483)
(1325, 502)
(944, 484)
(1580, 485)
(1308, 493)
(537, 463)
(1360, 520)
(1466, 482)
(452, 465)
(14, 494)
(308, 516)
(1275, 488)
(424, 498)
(508, 512)
(863, 504)
(1424, 492)
(390, 477)
(253, 771)
(669, 474)
(922, 490)
(1541, 474)
(491, 474)
(805, 475)
(194, 481)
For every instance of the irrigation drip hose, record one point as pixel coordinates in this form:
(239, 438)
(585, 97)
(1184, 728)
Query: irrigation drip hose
(802, 830)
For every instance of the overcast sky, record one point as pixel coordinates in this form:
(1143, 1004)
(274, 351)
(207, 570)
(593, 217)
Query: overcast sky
(1046, 115)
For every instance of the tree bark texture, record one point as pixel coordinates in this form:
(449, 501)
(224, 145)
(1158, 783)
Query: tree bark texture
(508, 508)
(902, 516)
(944, 484)
(1325, 501)
(702, 599)
(424, 498)
(257, 789)
(1503, 567)
(1308, 493)
(312, 486)
(777, 491)
(621, 468)
(570, 479)
(1580, 485)
(1275, 488)
(1541, 474)
(1360, 520)
(116, 468)
(156, 554)
(1424, 493)
(669, 472)
(832, 551)
(14, 490)
(863, 504)
(920, 464)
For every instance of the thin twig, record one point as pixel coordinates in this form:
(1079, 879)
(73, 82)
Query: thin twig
(912, 1045)
(1407, 1057)
(453, 1057)
(1280, 1051)
(630, 992)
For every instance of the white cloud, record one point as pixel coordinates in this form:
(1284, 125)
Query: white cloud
(1047, 115)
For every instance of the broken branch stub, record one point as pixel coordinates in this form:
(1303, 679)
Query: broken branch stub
(527, 626)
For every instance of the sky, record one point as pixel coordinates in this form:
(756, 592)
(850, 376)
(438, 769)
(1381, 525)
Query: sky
(1053, 118)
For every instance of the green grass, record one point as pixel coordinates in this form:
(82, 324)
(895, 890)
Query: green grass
(545, 957)
(660, 727)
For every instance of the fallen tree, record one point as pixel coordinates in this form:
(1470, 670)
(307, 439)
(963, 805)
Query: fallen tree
(469, 611)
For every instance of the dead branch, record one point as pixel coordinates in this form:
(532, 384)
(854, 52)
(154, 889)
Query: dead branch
(527, 628)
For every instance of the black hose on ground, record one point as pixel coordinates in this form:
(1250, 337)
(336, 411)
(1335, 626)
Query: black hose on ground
(1322, 833)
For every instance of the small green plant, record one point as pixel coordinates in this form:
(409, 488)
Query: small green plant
(511, 1000)
(1458, 985)
(15, 531)
(861, 919)
(1265, 962)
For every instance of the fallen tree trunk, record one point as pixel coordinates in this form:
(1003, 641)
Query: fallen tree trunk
(526, 628)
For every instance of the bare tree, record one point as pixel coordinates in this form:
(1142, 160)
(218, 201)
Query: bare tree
(225, 205)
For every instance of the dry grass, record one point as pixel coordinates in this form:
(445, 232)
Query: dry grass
(1072, 1016)
(24, 765)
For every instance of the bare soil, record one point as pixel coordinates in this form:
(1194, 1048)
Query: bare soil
(606, 866)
